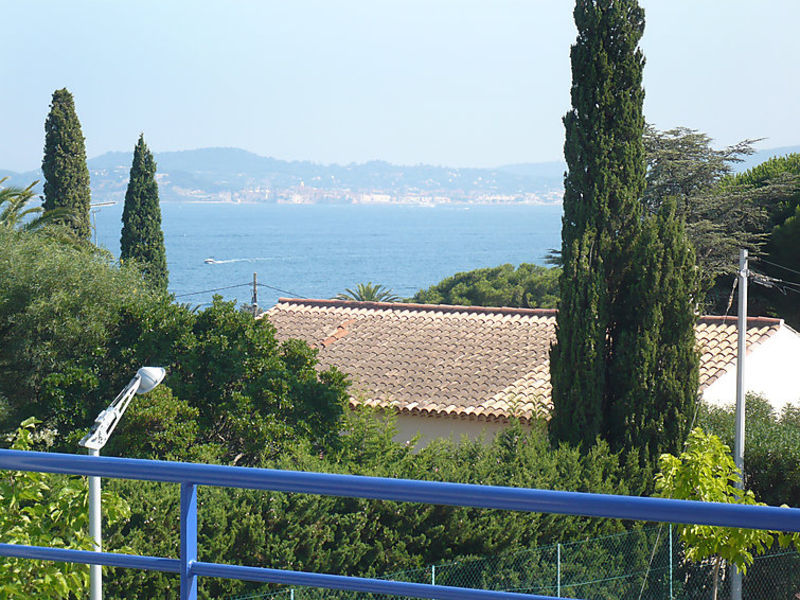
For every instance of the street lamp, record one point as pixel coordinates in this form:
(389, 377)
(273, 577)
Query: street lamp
(145, 380)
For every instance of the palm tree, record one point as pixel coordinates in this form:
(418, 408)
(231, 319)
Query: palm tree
(14, 215)
(367, 292)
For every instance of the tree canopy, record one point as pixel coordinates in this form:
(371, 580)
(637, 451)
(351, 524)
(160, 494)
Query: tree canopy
(526, 286)
(66, 176)
(75, 328)
(775, 186)
(142, 238)
(624, 363)
(705, 471)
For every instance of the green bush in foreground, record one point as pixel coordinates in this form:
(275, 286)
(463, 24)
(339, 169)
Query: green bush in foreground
(40, 509)
(366, 537)
(771, 448)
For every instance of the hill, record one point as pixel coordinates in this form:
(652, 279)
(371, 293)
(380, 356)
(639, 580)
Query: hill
(235, 175)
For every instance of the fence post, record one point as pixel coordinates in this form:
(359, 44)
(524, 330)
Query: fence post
(670, 561)
(188, 540)
(433, 574)
(558, 570)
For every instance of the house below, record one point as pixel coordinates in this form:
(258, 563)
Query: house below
(466, 370)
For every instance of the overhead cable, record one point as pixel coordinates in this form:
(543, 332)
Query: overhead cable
(230, 287)
(776, 265)
(292, 294)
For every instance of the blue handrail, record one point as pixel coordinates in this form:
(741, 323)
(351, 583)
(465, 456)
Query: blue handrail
(190, 475)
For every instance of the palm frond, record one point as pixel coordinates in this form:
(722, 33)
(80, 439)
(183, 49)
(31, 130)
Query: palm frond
(369, 292)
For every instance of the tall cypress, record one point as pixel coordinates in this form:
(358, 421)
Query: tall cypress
(610, 377)
(66, 176)
(142, 238)
(652, 375)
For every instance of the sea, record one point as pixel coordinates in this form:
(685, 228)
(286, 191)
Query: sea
(318, 251)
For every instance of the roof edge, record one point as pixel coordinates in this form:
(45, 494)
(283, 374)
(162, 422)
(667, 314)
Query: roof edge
(439, 308)
(503, 310)
(733, 319)
(439, 413)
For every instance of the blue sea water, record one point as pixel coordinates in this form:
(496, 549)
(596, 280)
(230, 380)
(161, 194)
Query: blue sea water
(316, 251)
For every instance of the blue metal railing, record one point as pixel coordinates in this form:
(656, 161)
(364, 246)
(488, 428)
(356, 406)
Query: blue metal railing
(189, 476)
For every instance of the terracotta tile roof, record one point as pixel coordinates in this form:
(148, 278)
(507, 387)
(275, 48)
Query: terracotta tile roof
(470, 362)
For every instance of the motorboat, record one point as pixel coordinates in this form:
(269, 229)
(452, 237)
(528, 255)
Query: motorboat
(210, 261)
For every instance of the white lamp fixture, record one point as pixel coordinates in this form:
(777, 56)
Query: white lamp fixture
(145, 380)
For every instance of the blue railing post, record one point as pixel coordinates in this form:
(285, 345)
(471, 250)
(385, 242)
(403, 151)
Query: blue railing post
(188, 540)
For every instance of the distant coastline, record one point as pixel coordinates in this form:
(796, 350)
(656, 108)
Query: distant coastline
(230, 176)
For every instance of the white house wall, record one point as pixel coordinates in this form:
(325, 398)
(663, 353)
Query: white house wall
(430, 428)
(772, 369)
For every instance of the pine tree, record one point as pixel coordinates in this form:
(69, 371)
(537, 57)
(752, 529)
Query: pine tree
(66, 176)
(142, 238)
(612, 375)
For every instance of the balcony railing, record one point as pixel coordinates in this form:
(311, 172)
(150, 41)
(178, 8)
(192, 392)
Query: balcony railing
(190, 475)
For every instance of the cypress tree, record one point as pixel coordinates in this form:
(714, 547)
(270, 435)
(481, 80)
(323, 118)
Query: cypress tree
(610, 373)
(653, 372)
(66, 176)
(142, 238)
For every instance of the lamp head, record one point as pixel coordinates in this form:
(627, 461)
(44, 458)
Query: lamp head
(150, 378)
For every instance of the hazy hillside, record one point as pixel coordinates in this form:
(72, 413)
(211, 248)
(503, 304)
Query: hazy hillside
(234, 175)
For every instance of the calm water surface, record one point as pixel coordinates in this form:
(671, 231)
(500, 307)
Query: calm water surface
(317, 251)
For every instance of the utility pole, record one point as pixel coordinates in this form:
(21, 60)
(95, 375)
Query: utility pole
(738, 442)
(255, 295)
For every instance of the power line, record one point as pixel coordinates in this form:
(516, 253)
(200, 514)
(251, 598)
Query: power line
(775, 283)
(777, 265)
(230, 287)
(292, 294)
(238, 285)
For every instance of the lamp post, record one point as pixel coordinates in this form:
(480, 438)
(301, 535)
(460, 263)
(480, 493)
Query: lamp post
(145, 380)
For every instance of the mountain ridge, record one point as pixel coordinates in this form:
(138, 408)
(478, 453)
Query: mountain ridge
(225, 174)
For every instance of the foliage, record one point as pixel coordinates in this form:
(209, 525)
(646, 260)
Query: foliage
(142, 239)
(365, 537)
(15, 215)
(527, 286)
(58, 307)
(653, 370)
(369, 292)
(624, 363)
(66, 176)
(777, 184)
(781, 203)
(76, 328)
(683, 167)
(255, 395)
(604, 181)
(40, 509)
(158, 425)
(771, 448)
(705, 471)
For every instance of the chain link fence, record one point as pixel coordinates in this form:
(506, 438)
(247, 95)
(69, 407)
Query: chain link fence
(644, 564)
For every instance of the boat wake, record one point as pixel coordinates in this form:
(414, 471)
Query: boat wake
(214, 261)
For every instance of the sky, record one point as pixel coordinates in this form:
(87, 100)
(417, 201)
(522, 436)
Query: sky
(446, 82)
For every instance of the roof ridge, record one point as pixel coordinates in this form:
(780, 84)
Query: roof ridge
(503, 310)
(439, 308)
(733, 319)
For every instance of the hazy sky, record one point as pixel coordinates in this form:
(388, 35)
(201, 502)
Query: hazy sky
(454, 82)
